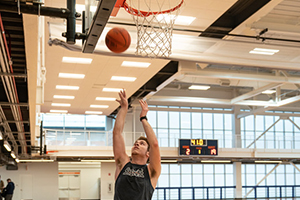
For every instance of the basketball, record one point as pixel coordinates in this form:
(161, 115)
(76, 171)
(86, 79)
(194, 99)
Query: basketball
(118, 40)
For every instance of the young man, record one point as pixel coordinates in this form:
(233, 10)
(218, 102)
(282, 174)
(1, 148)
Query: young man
(9, 189)
(134, 179)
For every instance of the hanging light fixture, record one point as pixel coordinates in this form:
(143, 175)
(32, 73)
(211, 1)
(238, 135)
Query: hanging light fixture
(7, 145)
(13, 155)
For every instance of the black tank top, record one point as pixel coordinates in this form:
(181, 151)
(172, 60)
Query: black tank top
(133, 183)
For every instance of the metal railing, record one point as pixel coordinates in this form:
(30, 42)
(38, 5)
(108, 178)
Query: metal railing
(278, 190)
(205, 192)
(218, 192)
(104, 138)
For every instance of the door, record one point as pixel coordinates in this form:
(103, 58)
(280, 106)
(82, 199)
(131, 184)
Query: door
(69, 185)
(26, 187)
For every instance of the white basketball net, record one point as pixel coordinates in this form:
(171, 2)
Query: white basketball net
(154, 20)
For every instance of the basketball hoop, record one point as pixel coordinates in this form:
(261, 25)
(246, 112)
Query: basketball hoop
(154, 20)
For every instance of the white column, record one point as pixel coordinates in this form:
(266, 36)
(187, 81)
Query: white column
(237, 179)
(107, 180)
(236, 128)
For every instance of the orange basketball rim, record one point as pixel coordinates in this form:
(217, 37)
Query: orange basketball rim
(140, 13)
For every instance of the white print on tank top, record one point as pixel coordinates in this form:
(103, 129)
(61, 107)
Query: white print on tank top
(132, 172)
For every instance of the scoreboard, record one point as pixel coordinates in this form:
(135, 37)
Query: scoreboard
(198, 147)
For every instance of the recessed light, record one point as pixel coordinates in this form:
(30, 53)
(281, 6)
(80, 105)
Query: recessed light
(67, 87)
(63, 97)
(215, 161)
(58, 111)
(199, 87)
(123, 78)
(93, 112)
(261, 52)
(267, 50)
(268, 161)
(135, 64)
(105, 99)
(269, 91)
(61, 104)
(111, 89)
(264, 51)
(77, 60)
(99, 106)
(70, 75)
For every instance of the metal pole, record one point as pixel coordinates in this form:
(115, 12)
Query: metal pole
(295, 166)
(41, 138)
(207, 193)
(71, 22)
(34, 10)
(13, 75)
(263, 133)
(262, 180)
(294, 123)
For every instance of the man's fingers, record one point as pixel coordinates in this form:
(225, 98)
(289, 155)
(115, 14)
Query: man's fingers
(122, 94)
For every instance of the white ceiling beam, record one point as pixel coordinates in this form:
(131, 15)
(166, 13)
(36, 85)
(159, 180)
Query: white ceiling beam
(255, 92)
(226, 74)
(289, 100)
(190, 100)
(281, 27)
(253, 112)
(200, 100)
(264, 109)
(164, 84)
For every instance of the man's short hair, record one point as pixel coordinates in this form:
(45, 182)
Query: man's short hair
(145, 139)
(8, 179)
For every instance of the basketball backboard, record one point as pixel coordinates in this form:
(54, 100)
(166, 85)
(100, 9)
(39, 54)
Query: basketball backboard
(97, 15)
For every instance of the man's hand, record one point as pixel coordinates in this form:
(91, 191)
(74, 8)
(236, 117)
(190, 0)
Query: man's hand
(144, 107)
(123, 99)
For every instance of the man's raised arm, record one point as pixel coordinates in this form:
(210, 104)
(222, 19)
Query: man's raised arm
(120, 155)
(154, 153)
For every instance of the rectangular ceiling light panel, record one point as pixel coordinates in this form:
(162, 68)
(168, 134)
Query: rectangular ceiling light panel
(111, 89)
(99, 106)
(105, 99)
(93, 112)
(61, 104)
(77, 60)
(67, 87)
(123, 78)
(264, 51)
(70, 75)
(63, 97)
(135, 64)
(199, 87)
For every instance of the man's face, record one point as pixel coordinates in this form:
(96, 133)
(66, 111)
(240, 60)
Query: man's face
(140, 148)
